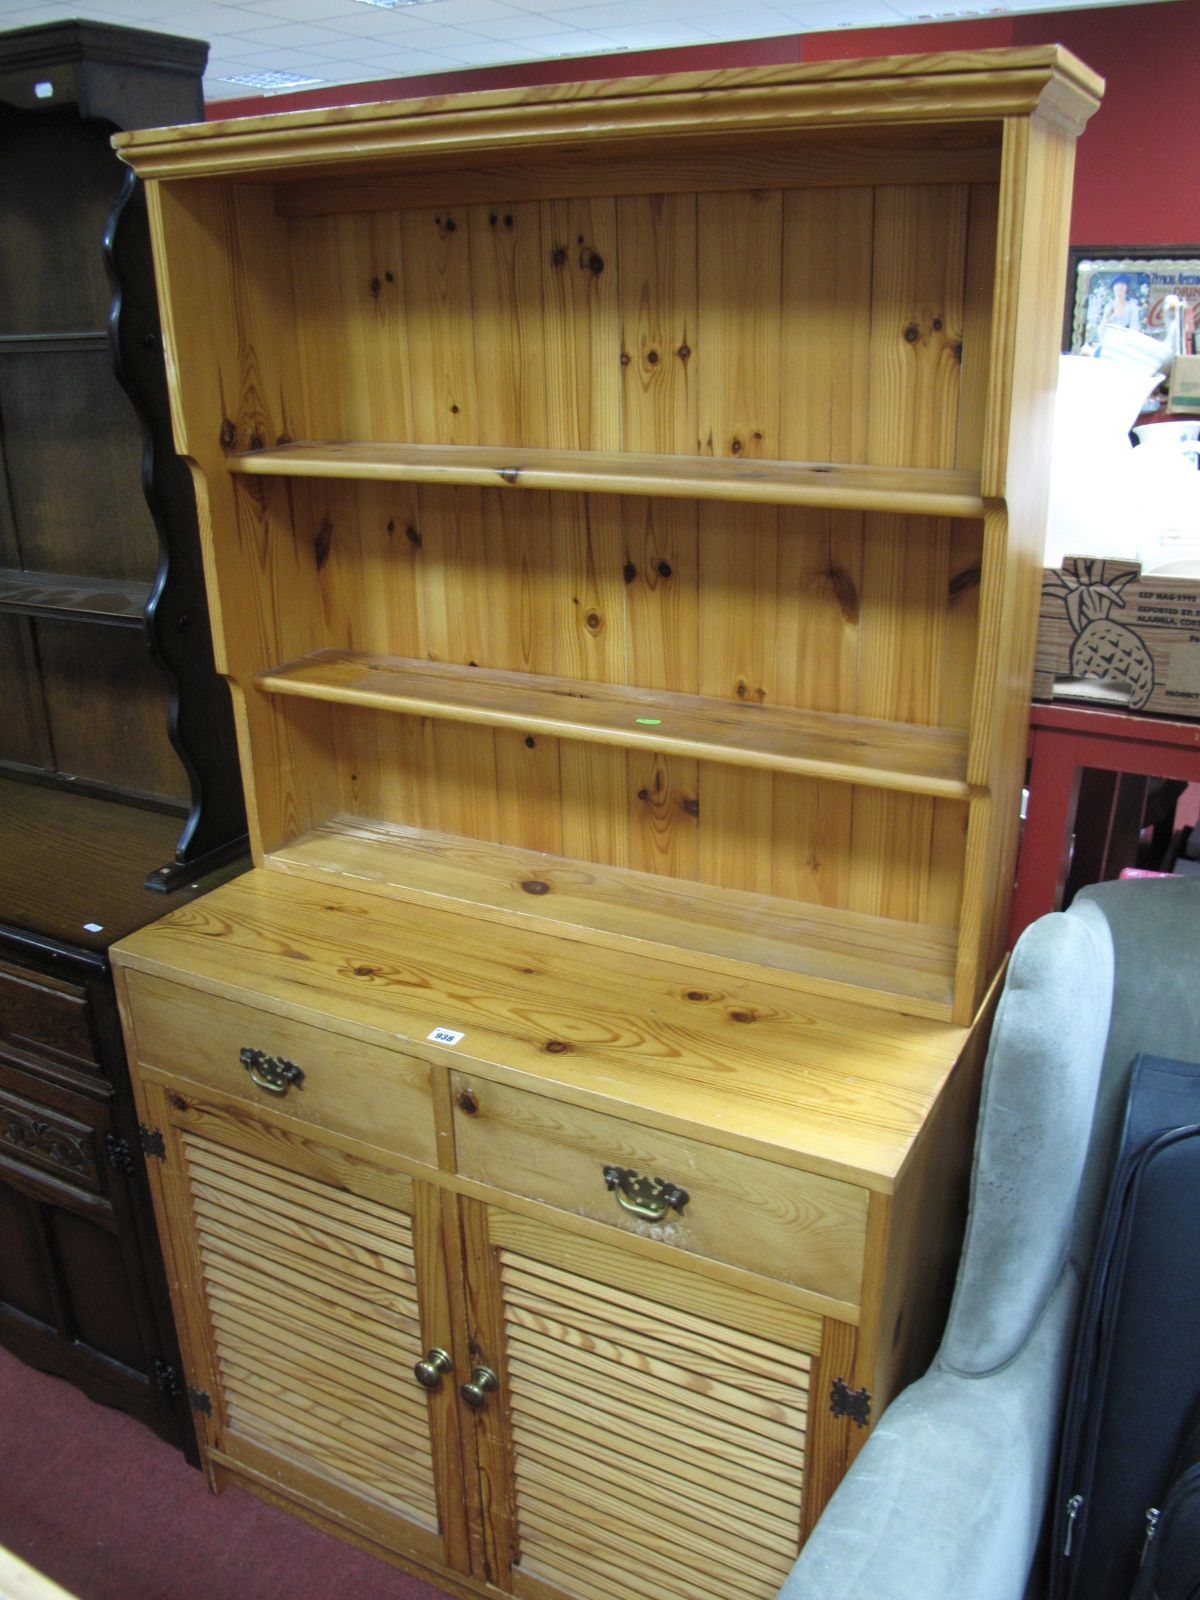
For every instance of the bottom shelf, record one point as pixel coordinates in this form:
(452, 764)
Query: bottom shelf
(900, 966)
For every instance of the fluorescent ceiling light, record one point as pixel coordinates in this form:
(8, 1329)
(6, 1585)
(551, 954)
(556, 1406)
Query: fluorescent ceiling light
(269, 82)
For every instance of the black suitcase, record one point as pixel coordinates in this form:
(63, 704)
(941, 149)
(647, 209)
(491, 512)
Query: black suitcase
(1136, 1371)
(1171, 1559)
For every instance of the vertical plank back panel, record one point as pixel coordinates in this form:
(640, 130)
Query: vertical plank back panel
(919, 270)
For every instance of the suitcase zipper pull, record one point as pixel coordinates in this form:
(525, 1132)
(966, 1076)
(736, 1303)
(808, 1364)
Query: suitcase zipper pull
(1152, 1517)
(1074, 1505)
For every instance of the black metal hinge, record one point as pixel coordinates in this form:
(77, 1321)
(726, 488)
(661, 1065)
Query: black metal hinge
(120, 1156)
(152, 1141)
(199, 1401)
(852, 1403)
(167, 1379)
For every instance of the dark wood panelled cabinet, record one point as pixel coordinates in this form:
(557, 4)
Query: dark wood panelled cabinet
(117, 763)
(105, 649)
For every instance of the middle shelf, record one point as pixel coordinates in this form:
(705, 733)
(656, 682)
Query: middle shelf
(897, 756)
(916, 491)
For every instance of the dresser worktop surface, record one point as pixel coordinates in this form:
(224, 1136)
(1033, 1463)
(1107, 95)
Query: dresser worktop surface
(807, 1080)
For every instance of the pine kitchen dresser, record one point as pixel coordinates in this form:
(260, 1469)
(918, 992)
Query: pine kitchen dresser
(623, 510)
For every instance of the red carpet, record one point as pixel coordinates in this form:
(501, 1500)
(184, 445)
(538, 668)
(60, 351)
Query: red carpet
(100, 1504)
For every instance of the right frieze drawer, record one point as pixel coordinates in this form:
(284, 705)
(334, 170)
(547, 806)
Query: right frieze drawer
(780, 1221)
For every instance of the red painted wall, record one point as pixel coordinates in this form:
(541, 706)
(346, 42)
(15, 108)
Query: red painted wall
(1136, 177)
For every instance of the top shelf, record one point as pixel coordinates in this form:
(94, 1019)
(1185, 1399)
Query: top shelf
(916, 491)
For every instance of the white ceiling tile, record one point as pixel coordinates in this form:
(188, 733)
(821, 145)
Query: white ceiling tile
(292, 36)
(570, 41)
(517, 25)
(295, 10)
(664, 35)
(614, 14)
(489, 53)
(816, 16)
(749, 22)
(466, 11)
(278, 61)
(427, 39)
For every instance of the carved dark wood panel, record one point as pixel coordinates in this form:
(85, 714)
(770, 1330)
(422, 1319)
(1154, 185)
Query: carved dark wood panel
(68, 1149)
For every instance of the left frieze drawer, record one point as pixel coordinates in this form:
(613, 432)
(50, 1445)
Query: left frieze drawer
(292, 1069)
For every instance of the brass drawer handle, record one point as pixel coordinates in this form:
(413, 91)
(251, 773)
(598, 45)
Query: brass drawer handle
(648, 1198)
(271, 1073)
(483, 1382)
(429, 1372)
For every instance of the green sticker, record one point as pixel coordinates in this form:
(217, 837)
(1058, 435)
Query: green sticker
(649, 722)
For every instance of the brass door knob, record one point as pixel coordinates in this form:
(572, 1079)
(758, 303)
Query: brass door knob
(483, 1382)
(428, 1373)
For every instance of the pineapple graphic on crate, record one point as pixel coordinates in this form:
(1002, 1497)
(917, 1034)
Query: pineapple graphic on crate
(1102, 648)
(1108, 634)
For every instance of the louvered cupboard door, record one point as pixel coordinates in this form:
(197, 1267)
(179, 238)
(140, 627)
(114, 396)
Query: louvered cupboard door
(308, 1283)
(651, 1430)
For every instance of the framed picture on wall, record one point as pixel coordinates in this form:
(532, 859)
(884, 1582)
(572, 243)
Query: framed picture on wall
(1125, 286)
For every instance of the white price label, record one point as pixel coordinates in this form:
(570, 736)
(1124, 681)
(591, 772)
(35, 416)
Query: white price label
(444, 1036)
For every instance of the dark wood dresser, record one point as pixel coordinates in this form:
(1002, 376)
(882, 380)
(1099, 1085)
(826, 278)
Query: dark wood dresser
(117, 761)
(81, 1284)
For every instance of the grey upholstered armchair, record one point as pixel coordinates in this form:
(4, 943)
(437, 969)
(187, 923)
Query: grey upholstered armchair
(948, 1499)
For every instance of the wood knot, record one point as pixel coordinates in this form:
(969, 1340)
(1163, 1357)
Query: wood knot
(652, 357)
(593, 262)
(697, 994)
(558, 257)
(912, 333)
(511, 474)
(228, 434)
(684, 351)
(737, 447)
(413, 536)
(664, 569)
(630, 572)
(366, 972)
(963, 582)
(558, 1047)
(690, 805)
(593, 621)
(177, 1100)
(467, 1102)
(530, 742)
(535, 886)
(375, 286)
(742, 1016)
(938, 324)
(323, 543)
(643, 794)
(845, 592)
(625, 358)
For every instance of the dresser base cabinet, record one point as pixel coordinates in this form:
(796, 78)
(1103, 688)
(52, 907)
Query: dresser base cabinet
(665, 1377)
